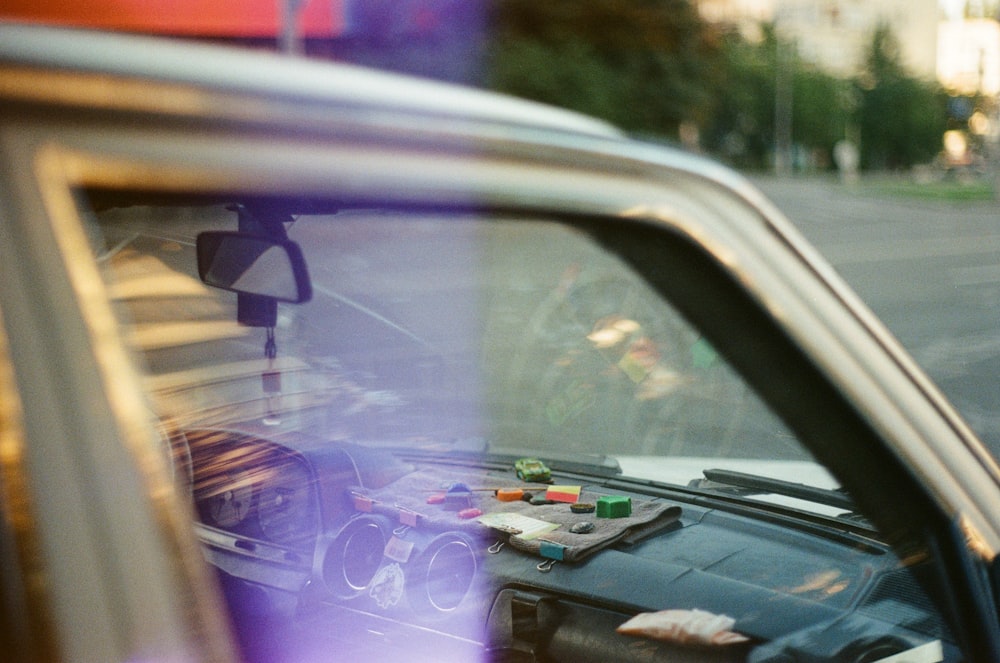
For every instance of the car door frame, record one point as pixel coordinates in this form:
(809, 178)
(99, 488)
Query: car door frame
(824, 339)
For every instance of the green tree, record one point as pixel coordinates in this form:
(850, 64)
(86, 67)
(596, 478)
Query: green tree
(822, 112)
(645, 65)
(900, 118)
(741, 125)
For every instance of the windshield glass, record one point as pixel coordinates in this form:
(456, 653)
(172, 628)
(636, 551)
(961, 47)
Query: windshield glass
(446, 411)
(440, 333)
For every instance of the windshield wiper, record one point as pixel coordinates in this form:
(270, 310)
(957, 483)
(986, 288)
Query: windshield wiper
(479, 451)
(743, 484)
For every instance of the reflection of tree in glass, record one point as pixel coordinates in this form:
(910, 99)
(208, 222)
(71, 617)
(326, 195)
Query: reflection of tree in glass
(605, 366)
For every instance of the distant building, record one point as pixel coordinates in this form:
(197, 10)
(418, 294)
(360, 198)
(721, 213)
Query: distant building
(745, 14)
(969, 60)
(836, 34)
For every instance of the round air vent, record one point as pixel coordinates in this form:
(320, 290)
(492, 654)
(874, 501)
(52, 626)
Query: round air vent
(443, 574)
(354, 556)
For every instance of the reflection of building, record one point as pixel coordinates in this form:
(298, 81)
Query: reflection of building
(836, 34)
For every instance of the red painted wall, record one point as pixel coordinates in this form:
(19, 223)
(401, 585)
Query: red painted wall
(203, 18)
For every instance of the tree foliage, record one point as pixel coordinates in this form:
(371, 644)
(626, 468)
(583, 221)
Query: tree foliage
(897, 118)
(900, 119)
(741, 126)
(645, 65)
(650, 65)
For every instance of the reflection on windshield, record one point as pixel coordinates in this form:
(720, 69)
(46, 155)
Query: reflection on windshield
(466, 405)
(428, 330)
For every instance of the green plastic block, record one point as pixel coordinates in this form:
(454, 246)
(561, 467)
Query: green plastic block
(614, 506)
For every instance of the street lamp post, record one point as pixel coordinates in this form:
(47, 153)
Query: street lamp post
(291, 41)
(784, 78)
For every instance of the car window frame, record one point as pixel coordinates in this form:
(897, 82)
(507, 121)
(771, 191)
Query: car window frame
(97, 567)
(26, 621)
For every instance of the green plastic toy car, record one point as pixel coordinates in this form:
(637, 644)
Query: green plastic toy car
(532, 469)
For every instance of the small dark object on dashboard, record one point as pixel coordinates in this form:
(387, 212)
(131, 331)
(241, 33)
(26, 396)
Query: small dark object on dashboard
(582, 507)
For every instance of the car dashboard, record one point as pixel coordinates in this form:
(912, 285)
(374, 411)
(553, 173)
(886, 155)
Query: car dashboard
(344, 548)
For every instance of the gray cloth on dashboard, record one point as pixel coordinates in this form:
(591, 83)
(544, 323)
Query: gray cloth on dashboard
(406, 501)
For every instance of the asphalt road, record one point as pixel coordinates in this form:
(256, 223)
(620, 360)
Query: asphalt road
(929, 269)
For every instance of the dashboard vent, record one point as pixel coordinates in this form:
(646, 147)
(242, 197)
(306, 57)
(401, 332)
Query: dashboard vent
(445, 573)
(355, 555)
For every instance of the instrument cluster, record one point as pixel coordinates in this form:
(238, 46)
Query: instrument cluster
(381, 567)
(252, 488)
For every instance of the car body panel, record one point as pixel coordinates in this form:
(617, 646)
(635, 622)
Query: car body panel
(308, 84)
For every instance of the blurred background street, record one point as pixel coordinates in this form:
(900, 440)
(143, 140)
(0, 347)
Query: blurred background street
(930, 268)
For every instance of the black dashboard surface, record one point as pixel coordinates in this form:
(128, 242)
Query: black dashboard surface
(341, 548)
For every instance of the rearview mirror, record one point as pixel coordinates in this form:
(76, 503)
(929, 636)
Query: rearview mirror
(254, 265)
